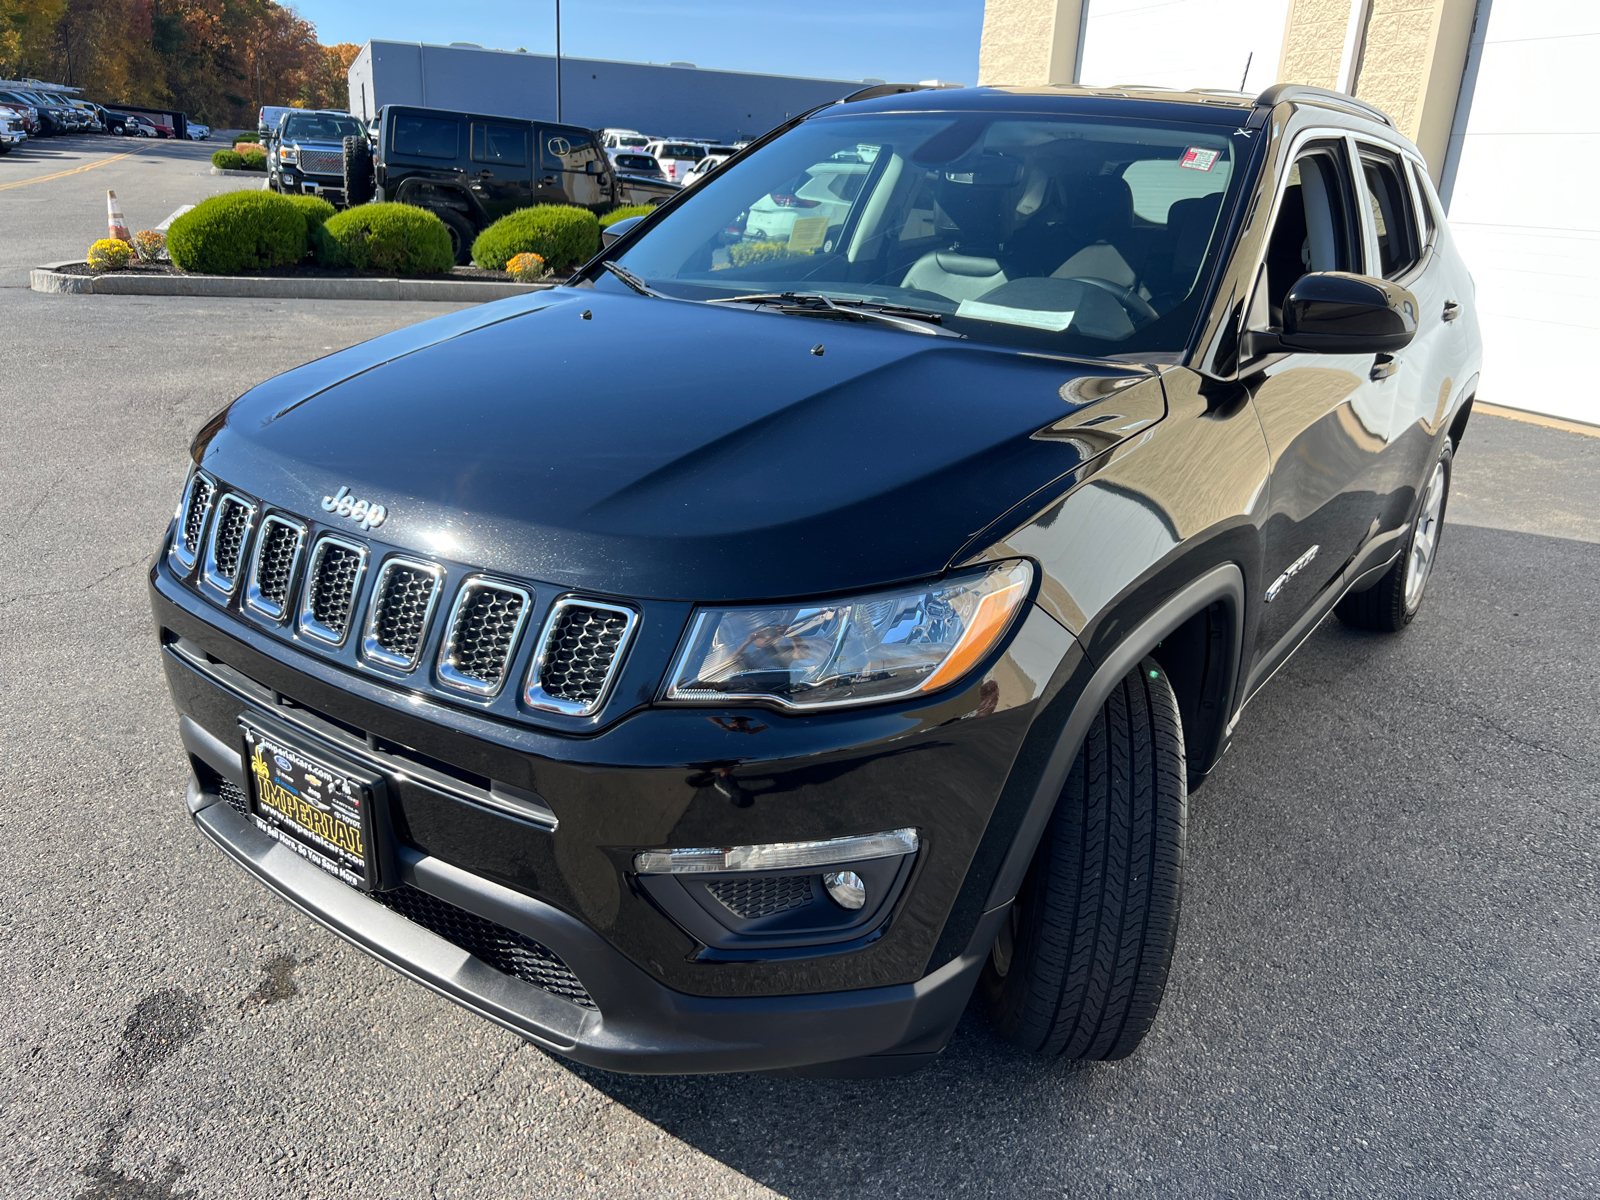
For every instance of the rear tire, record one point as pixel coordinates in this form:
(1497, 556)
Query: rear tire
(1080, 968)
(1389, 605)
(358, 186)
(461, 234)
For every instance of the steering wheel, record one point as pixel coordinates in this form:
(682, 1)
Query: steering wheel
(1137, 306)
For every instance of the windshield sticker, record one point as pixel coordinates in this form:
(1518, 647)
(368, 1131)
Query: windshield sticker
(808, 233)
(1197, 159)
(1033, 318)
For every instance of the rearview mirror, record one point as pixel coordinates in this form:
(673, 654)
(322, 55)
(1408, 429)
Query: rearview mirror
(1335, 312)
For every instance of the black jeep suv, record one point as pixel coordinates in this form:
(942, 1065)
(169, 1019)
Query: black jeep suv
(758, 718)
(471, 170)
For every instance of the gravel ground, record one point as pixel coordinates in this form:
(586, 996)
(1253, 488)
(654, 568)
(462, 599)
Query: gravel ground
(1386, 982)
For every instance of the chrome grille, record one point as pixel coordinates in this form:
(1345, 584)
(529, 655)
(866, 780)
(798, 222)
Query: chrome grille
(402, 605)
(322, 162)
(332, 581)
(483, 635)
(578, 656)
(192, 513)
(762, 897)
(225, 553)
(272, 571)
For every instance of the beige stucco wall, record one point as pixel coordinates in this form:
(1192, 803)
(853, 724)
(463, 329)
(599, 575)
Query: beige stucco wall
(1029, 42)
(1313, 42)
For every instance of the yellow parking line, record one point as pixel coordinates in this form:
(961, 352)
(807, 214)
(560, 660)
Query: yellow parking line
(1528, 418)
(72, 171)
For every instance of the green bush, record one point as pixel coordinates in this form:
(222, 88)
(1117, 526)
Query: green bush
(246, 137)
(237, 231)
(561, 234)
(622, 214)
(253, 157)
(401, 238)
(227, 160)
(316, 212)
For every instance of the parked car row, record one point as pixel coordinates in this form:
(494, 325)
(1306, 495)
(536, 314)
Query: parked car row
(33, 112)
(684, 161)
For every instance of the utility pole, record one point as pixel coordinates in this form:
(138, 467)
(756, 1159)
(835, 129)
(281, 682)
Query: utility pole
(558, 61)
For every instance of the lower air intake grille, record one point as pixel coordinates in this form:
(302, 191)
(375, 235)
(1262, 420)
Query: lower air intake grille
(237, 800)
(280, 546)
(194, 516)
(233, 522)
(506, 950)
(331, 588)
(404, 600)
(483, 633)
(752, 898)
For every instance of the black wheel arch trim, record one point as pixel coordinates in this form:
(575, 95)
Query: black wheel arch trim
(1224, 583)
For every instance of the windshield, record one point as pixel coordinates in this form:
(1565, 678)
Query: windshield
(1085, 236)
(320, 127)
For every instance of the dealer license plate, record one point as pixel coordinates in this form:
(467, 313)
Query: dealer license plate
(318, 811)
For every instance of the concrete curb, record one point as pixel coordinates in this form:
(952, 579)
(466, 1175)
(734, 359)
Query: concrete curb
(48, 278)
(240, 174)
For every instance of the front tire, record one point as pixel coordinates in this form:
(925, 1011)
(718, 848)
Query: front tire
(1391, 603)
(1080, 968)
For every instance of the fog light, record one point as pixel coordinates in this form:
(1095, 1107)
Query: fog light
(777, 856)
(846, 889)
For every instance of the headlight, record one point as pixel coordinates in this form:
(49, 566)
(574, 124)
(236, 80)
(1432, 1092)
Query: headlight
(860, 650)
(289, 156)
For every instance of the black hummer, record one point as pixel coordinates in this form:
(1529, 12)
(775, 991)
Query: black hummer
(471, 170)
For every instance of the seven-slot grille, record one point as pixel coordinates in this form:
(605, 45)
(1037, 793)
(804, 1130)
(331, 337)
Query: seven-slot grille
(228, 533)
(332, 580)
(762, 897)
(277, 555)
(402, 604)
(192, 519)
(483, 632)
(322, 162)
(578, 656)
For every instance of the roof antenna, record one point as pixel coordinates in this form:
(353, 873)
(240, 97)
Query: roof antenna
(1246, 75)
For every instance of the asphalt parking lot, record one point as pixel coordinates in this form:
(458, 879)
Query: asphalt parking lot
(1386, 983)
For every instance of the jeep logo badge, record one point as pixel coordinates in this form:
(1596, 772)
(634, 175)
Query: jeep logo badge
(344, 505)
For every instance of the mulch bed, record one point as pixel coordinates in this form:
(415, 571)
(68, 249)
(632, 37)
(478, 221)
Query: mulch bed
(298, 271)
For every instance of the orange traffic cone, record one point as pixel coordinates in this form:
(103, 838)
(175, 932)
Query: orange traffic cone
(115, 221)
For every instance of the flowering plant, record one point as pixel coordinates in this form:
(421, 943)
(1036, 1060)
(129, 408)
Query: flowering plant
(109, 254)
(525, 268)
(148, 244)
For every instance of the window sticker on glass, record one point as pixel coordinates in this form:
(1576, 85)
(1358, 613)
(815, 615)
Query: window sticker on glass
(1033, 318)
(1197, 159)
(808, 233)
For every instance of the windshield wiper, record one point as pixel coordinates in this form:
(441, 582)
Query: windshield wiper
(632, 280)
(815, 304)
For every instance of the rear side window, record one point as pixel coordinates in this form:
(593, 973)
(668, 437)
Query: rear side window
(569, 150)
(496, 143)
(426, 137)
(1392, 219)
(1425, 204)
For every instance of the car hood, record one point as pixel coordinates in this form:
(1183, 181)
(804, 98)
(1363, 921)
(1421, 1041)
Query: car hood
(757, 456)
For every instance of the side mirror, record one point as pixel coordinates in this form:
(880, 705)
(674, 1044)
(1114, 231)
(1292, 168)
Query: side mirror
(1334, 312)
(612, 232)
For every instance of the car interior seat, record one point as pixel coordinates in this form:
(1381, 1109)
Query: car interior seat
(977, 200)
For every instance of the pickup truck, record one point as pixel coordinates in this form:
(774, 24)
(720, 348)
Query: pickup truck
(471, 170)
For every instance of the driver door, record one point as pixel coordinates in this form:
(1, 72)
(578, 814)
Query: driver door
(1325, 416)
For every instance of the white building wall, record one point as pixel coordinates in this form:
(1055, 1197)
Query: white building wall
(1184, 43)
(1523, 205)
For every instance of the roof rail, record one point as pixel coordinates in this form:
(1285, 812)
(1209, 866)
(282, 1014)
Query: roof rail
(883, 89)
(1278, 93)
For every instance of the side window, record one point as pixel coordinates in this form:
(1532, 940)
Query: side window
(569, 150)
(1392, 219)
(1314, 230)
(1424, 187)
(426, 137)
(496, 143)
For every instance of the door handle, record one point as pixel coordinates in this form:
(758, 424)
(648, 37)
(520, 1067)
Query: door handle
(1383, 366)
(1452, 310)
(548, 179)
(485, 174)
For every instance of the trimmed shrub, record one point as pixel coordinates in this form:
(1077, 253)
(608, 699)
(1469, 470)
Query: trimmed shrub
(745, 254)
(237, 231)
(148, 244)
(321, 247)
(623, 213)
(401, 238)
(526, 268)
(109, 254)
(227, 160)
(253, 157)
(246, 137)
(561, 234)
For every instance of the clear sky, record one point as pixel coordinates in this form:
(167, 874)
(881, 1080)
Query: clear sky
(898, 40)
